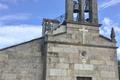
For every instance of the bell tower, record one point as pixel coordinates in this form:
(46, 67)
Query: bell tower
(74, 48)
(82, 12)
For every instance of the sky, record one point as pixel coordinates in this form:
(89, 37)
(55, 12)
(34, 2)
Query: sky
(20, 20)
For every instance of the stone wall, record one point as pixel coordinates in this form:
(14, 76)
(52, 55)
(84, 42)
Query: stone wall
(66, 61)
(70, 56)
(22, 62)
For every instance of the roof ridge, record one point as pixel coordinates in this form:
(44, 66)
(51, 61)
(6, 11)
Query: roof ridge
(21, 43)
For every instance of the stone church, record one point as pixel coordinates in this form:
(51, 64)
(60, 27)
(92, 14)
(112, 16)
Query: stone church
(69, 49)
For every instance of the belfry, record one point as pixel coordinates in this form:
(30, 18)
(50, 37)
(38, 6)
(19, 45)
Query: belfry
(76, 50)
(86, 11)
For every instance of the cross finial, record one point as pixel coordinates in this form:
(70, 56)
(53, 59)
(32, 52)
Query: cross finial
(113, 35)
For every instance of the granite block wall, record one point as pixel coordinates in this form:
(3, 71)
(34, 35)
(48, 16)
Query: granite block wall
(22, 62)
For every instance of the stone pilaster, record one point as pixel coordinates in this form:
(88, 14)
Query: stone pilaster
(94, 12)
(69, 10)
(81, 13)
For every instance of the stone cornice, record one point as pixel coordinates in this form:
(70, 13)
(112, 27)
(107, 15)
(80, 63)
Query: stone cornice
(78, 44)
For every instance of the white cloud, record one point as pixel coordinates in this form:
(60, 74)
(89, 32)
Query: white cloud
(20, 16)
(109, 3)
(118, 53)
(3, 6)
(10, 35)
(106, 30)
(17, 1)
(107, 25)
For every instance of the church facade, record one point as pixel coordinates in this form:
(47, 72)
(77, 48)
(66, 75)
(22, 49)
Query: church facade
(71, 49)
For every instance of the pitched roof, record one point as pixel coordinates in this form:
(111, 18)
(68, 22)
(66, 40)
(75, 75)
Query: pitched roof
(21, 43)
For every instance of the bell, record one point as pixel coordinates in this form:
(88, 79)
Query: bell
(76, 6)
(87, 5)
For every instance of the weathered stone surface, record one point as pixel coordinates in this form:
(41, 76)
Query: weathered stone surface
(97, 62)
(3, 57)
(59, 31)
(83, 67)
(60, 66)
(100, 54)
(108, 74)
(58, 72)
(22, 62)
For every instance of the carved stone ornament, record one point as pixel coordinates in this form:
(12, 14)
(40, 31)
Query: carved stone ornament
(84, 57)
